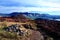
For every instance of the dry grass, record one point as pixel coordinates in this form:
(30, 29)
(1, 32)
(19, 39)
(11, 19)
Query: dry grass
(7, 35)
(10, 23)
(11, 35)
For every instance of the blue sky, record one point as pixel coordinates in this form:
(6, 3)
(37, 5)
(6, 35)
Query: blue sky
(47, 6)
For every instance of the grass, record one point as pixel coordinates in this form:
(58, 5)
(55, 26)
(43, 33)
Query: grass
(4, 35)
(7, 35)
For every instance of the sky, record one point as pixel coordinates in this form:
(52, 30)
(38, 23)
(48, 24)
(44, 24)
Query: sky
(47, 6)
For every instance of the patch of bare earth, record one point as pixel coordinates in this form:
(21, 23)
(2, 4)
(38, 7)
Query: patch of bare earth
(35, 35)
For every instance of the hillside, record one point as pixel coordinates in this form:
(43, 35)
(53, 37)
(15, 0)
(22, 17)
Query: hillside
(49, 27)
(32, 15)
(14, 18)
(29, 26)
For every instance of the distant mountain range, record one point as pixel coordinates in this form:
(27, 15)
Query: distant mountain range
(32, 15)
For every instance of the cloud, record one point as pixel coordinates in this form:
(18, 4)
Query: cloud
(14, 3)
(34, 3)
(49, 6)
(26, 9)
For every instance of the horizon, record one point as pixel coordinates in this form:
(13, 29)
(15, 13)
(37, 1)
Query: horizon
(51, 7)
(29, 12)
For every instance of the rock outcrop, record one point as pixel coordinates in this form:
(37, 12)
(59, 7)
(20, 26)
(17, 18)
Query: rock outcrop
(28, 34)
